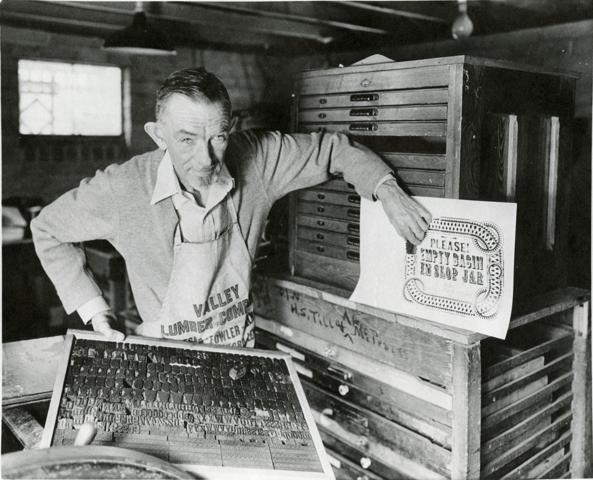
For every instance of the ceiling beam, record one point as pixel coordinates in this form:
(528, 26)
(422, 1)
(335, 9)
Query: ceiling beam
(230, 7)
(392, 11)
(184, 14)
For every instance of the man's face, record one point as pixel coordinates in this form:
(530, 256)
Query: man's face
(196, 134)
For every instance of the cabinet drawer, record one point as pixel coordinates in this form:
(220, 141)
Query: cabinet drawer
(366, 427)
(415, 160)
(396, 129)
(338, 184)
(324, 196)
(371, 82)
(328, 210)
(321, 223)
(362, 114)
(389, 395)
(379, 98)
(357, 454)
(350, 254)
(328, 270)
(345, 469)
(329, 238)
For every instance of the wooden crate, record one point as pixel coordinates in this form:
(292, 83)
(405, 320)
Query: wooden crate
(418, 400)
(454, 127)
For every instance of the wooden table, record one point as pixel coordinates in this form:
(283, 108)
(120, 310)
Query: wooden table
(28, 374)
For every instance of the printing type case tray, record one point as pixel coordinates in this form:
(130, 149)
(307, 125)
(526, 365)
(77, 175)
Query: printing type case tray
(176, 401)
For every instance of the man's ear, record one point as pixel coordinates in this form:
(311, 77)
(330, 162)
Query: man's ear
(154, 131)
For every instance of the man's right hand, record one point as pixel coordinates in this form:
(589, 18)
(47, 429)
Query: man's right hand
(102, 323)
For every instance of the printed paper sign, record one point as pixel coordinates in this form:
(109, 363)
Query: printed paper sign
(460, 275)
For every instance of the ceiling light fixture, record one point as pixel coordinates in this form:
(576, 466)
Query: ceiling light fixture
(139, 38)
(462, 26)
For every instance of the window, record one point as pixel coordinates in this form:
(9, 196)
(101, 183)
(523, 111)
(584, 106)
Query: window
(69, 99)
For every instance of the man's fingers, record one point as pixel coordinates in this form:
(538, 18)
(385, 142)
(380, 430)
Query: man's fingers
(102, 325)
(417, 231)
(115, 335)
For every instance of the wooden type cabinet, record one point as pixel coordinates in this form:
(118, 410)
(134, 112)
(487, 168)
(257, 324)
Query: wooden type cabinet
(455, 127)
(398, 397)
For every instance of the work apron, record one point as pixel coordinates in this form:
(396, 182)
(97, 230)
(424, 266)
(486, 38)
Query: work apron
(207, 299)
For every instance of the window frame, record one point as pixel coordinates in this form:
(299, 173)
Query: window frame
(125, 114)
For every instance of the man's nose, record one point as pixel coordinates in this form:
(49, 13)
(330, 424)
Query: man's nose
(203, 154)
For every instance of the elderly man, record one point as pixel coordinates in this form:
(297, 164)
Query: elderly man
(187, 217)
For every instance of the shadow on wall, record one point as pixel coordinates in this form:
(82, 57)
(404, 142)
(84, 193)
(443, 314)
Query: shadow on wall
(579, 238)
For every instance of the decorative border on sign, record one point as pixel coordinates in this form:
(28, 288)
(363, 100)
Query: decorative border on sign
(486, 238)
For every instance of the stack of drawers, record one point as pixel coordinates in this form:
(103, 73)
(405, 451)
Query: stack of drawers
(454, 127)
(398, 397)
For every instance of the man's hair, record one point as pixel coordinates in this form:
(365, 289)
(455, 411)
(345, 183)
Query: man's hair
(196, 83)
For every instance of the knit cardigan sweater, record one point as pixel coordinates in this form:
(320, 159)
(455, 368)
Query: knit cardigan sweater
(114, 205)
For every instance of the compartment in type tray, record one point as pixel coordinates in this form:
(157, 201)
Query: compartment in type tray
(526, 402)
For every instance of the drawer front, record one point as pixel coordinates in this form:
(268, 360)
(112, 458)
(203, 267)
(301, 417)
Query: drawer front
(397, 129)
(327, 210)
(325, 196)
(379, 98)
(341, 273)
(369, 428)
(381, 461)
(371, 82)
(390, 400)
(415, 160)
(363, 114)
(345, 469)
(350, 254)
(337, 184)
(328, 224)
(329, 238)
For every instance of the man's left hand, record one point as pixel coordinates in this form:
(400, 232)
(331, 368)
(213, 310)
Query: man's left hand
(408, 217)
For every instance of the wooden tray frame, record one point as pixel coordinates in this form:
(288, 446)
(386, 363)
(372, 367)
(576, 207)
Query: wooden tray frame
(210, 472)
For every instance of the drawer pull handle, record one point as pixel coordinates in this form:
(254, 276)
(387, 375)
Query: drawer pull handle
(323, 101)
(353, 228)
(352, 255)
(319, 248)
(353, 212)
(345, 374)
(364, 97)
(321, 209)
(354, 199)
(321, 223)
(363, 112)
(321, 196)
(365, 462)
(320, 236)
(353, 241)
(365, 83)
(363, 127)
(343, 390)
(322, 115)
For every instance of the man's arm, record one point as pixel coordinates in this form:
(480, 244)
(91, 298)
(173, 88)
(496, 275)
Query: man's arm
(292, 162)
(84, 213)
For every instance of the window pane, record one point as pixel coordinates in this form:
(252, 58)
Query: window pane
(69, 99)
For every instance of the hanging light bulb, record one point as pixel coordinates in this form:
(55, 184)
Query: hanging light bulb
(139, 38)
(462, 26)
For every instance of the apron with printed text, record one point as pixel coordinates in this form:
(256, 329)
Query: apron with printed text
(207, 299)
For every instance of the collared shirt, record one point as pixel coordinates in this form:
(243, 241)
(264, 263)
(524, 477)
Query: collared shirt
(115, 205)
(197, 223)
